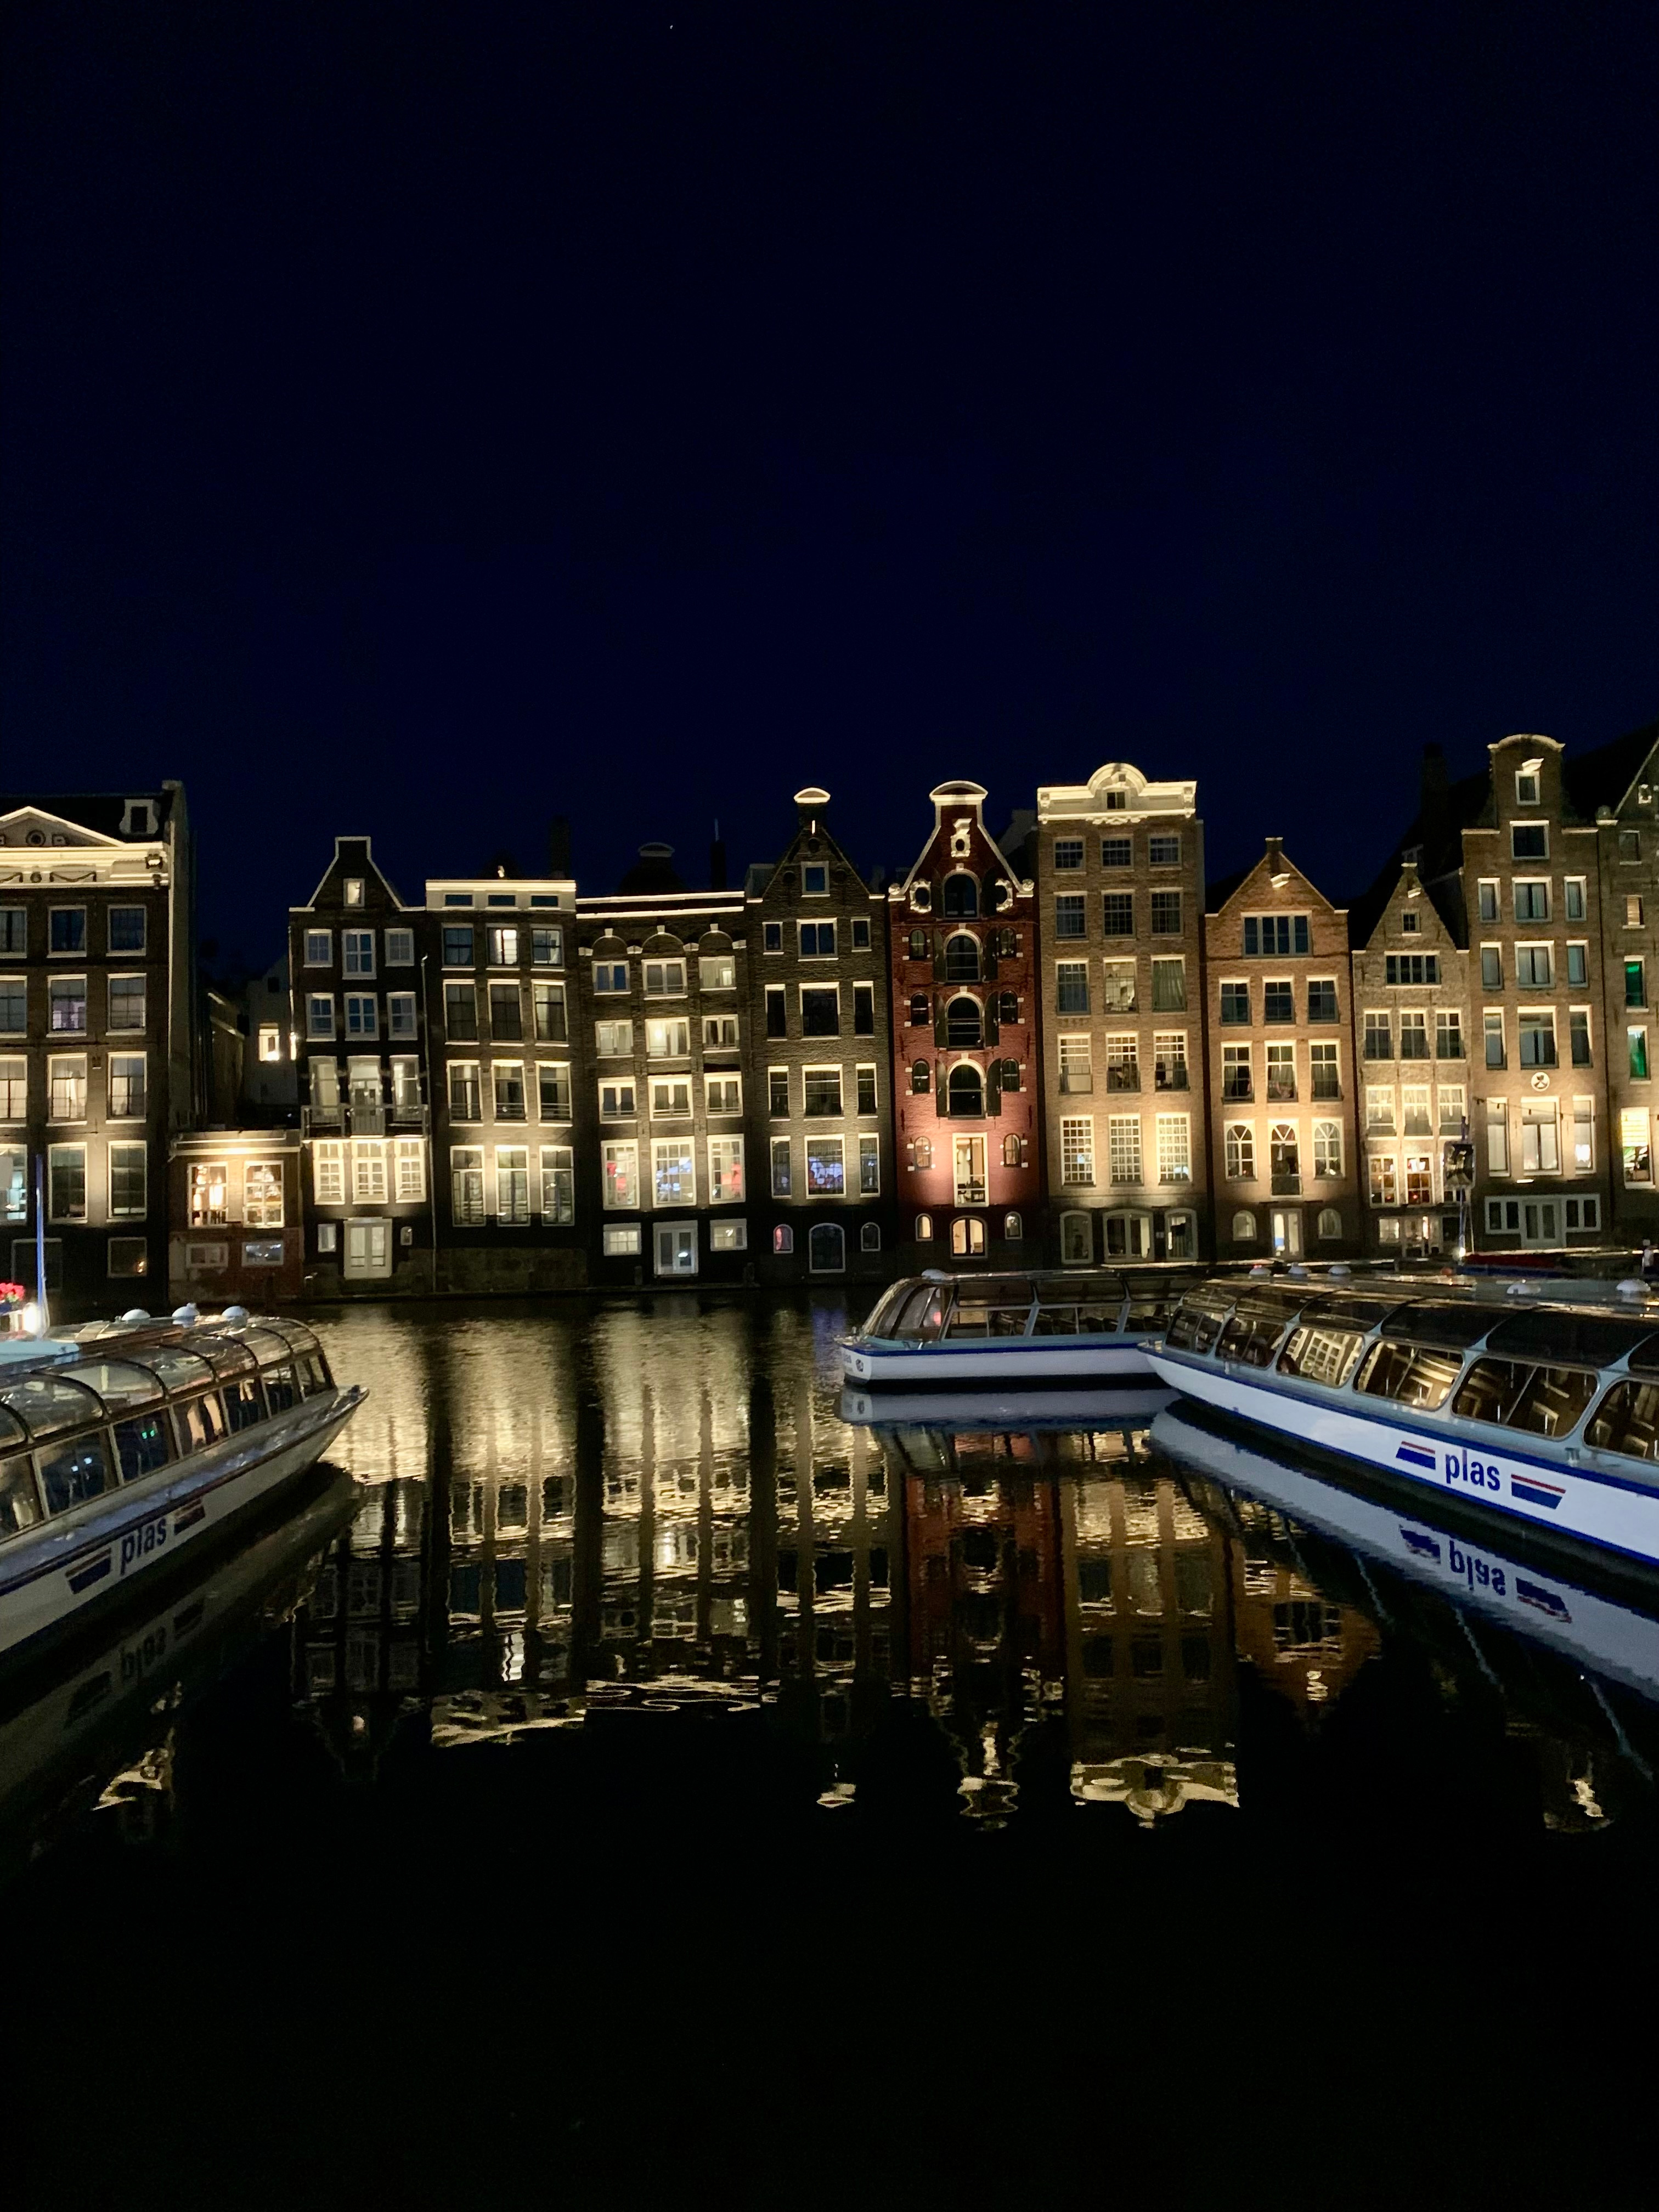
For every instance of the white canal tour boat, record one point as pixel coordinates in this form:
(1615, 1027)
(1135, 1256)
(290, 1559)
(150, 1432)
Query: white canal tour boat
(1548, 1414)
(126, 1441)
(966, 1332)
(1618, 1641)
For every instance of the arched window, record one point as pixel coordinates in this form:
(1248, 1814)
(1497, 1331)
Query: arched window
(961, 958)
(1077, 1239)
(923, 1149)
(1008, 1075)
(961, 895)
(1007, 1008)
(1243, 1227)
(967, 1092)
(967, 1237)
(869, 1236)
(1013, 1229)
(1330, 1222)
(921, 1010)
(921, 1075)
(962, 1024)
(826, 1249)
(1010, 1150)
(924, 1229)
(783, 1238)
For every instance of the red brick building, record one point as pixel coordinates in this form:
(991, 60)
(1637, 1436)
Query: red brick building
(963, 937)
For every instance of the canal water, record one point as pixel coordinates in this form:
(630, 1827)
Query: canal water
(626, 1771)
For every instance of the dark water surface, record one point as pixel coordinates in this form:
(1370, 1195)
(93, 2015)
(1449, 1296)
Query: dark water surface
(626, 1776)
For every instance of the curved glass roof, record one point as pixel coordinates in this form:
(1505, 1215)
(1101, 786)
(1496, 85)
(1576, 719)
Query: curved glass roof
(50, 1406)
(120, 1384)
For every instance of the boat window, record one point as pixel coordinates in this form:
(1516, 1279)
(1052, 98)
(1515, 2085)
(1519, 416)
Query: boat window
(179, 1371)
(1098, 1316)
(986, 1314)
(201, 1422)
(142, 1445)
(1322, 1353)
(1450, 1327)
(1345, 1310)
(1554, 1400)
(12, 1430)
(1491, 1390)
(74, 1471)
(1054, 1321)
(1627, 1421)
(242, 1403)
(224, 1354)
(1644, 1360)
(118, 1384)
(314, 1373)
(1550, 1332)
(47, 1406)
(886, 1308)
(1252, 1338)
(1196, 1321)
(921, 1301)
(20, 1505)
(265, 1346)
(1410, 1375)
(280, 1390)
(293, 1334)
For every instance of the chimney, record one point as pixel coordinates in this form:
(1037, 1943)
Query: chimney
(717, 860)
(558, 847)
(1275, 855)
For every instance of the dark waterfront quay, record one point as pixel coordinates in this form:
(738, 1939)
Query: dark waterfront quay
(619, 1769)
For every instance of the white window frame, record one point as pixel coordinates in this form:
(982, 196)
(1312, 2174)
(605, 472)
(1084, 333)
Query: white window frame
(725, 1165)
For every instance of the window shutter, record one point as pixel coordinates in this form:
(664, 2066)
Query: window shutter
(988, 960)
(993, 1088)
(939, 1036)
(941, 1091)
(939, 959)
(993, 1032)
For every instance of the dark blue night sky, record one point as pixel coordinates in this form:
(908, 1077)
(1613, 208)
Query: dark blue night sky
(425, 421)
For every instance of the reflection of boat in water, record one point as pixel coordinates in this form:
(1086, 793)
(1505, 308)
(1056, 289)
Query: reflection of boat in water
(1618, 1641)
(1130, 1404)
(953, 1332)
(118, 1447)
(82, 1718)
(1548, 1417)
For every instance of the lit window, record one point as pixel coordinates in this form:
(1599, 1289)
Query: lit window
(826, 1172)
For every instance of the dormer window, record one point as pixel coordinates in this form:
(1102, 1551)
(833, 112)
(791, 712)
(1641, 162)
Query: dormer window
(354, 890)
(1526, 787)
(139, 819)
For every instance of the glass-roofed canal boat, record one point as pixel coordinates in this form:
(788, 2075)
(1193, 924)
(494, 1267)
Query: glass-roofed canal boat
(127, 1441)
(957, 1332)
(1547, 1414)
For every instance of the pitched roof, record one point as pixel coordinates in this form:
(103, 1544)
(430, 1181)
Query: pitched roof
(1603, 777)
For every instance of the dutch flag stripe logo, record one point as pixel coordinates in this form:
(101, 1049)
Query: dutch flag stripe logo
(1415, 1456)
(1532, 1491)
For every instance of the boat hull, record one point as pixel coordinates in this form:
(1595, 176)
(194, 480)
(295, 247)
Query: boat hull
(69, 1570)
(1131, 1404)
(1616, 1641)
(1008, 1363)
(1556, 1497)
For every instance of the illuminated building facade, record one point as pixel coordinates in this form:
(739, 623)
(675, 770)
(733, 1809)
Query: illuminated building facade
(1120, 872)
(968, 1139)
(100, 1057)
(236, 1202)
(661, 979)
(1278, 1009)
(819, 1073)
(1412, 1032)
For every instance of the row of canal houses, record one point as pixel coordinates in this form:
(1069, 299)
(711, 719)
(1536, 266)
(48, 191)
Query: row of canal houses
(1058, 1043)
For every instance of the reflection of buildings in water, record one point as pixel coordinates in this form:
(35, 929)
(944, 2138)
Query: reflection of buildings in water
(983, 1580)
(1301, 1645)
(835, 1574)
(359, 1640)
(1150, 1679)
(674, 1603)
(389, 1435)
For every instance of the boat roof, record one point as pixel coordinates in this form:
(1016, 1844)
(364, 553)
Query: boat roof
(1574, 1336)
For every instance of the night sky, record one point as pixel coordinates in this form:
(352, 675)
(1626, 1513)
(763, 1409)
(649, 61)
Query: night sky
(423, 422)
